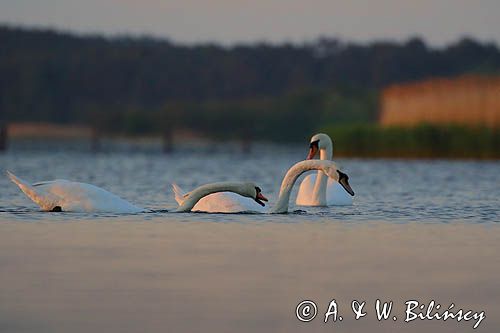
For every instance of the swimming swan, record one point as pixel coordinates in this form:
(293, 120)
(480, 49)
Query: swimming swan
(317, 189)
(328, 168)
(213, 197)
(66, 196)
(216, 199)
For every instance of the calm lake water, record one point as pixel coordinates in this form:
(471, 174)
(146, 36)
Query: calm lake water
(387, 190)
(423, 230)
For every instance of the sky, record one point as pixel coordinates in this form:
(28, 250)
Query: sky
(439, 22)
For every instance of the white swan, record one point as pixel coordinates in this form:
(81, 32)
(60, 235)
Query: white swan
(328, 168)
(317, 189)
(213, 197)
(67, 196)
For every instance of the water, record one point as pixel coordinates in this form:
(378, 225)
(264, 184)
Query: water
(425, 230)
(387, 190)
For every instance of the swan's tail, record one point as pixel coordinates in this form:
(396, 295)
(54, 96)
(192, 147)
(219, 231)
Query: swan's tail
(41, 199)
(179, 194)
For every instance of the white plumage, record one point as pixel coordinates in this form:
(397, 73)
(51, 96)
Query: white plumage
(316, 189)
(220, 202)
(335, 193)
(72, 196)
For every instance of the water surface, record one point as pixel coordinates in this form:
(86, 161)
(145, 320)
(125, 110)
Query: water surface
(387, 190)
(417, 230)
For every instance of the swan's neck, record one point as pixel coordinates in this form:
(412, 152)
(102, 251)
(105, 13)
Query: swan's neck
(326, 153)
(289, 180)
(194, 196)
(320, 186)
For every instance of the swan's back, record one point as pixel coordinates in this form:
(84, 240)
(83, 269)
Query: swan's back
(336, 195)
(227, 202)
(220, 202)
(71, 196)
(83, 197)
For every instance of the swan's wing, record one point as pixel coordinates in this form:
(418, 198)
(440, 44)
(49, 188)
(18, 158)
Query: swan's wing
(227, 202)
(46, 201)
(179, 194)
(82, 197)
(336, 195)
(306, 188)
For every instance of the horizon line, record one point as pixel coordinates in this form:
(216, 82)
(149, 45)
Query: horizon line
(111, 36)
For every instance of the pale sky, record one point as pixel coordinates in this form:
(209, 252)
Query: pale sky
(230, 21)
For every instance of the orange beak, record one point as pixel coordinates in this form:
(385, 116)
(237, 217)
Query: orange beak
(259, 198)
(312, 152)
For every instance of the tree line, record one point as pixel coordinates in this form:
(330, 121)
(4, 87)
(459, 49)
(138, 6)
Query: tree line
(142, 85)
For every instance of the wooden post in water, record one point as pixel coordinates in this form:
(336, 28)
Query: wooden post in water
(95, 140)
(3, 137)
(168, 141)
(246, 146)
(246, 140)
(3, 130)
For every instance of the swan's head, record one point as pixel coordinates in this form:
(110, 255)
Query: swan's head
(318, 142)
(344, 181)
(342, 178)
(251, 190)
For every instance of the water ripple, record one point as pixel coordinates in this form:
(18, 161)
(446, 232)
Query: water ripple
(386, 190)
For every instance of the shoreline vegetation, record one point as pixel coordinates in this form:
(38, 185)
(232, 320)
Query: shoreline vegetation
(134, 87)
(354, 141)
(421, 141)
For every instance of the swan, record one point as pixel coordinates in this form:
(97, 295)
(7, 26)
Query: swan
(67, 196)
(324, 167)
(316, 189)
(214, 197)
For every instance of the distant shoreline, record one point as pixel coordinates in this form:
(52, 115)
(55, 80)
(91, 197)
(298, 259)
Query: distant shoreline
(356, 141)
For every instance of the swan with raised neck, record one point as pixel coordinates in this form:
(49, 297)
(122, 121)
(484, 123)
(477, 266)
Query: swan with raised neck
(316, 190)
(189, 200)
(322, 143)
(326, 167)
